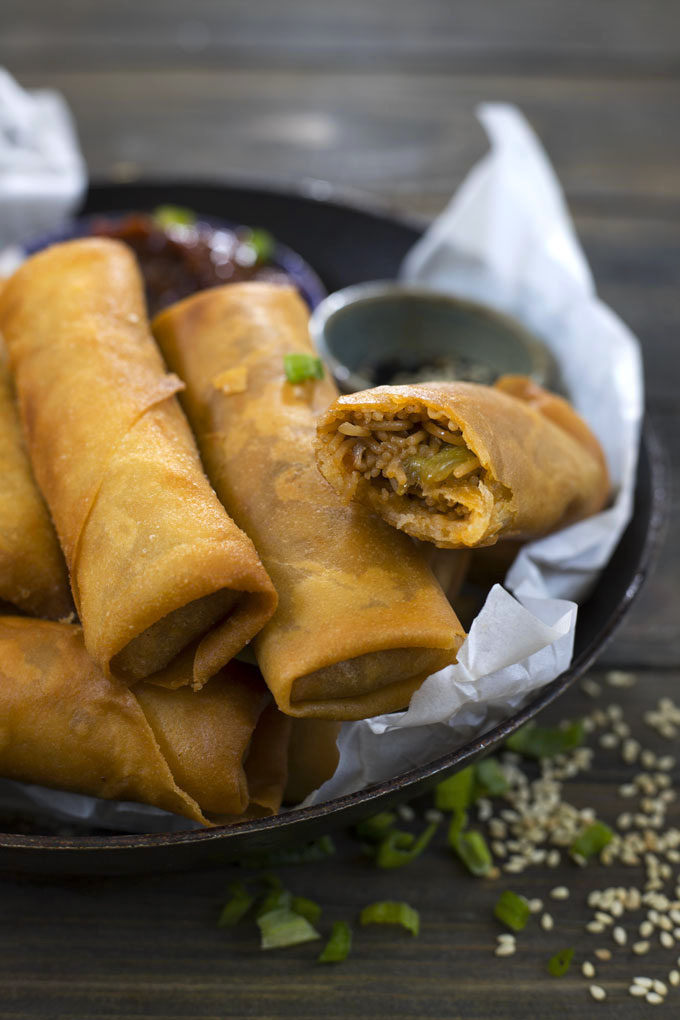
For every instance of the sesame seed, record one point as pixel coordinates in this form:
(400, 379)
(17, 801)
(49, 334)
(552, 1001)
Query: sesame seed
(588, 969)
(560, 892)
(553, 859)
(674, 978)
(640, 948)
(547, 922)
(406, 813)
(598, 993)
(666, 940)
(604, 954)
(505, 949)
(646, 929)
(644, 982)
(603, 918)
(653, 998)
(506, 936)
(620, 678)
(595, 927)
(659, 987)
(638, 991)
(627, 790)
(666, 763)
(433, 815)
(619, 935)
(535, 906)
(591, 687)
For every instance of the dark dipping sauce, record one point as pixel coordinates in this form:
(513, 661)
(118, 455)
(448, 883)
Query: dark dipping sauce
(178, 259)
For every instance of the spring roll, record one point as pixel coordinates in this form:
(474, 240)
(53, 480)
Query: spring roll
(313, 756)
(33, 575)
(361, 620)
(158, 569)
(460, 464)
(67, 726)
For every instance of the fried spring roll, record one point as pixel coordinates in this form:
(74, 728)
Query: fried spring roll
(313, 756)
(460, 464)
(158, 569)
(33, 575)
(67, 726)
(361, 620)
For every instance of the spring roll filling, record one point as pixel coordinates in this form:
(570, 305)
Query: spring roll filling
(419, 456)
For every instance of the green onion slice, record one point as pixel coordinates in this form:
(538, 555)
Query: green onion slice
(559, 964)
(391, 912)
(308, 909)
(473, 851)
(376, 828)
(275, 899)
(339, 944)
(457, 791)
(283, 927)
(173, 216)
(436, 468)
(262, 243)
(545, 741)
(237, 907)
(512, 910)
(399, 848)
(301, 367)
(593, 839)
(491, 781)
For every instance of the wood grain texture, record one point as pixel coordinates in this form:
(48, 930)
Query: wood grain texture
(378, 96)
(149, 947)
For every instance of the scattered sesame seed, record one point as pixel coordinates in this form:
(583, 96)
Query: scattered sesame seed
(595, 927)
(535, 906)
(591, 687)
(598, 993)
(406, 813)
(553, 859)
(640, 948)
(666, 940)
(603, 954)
(603, 918)
(619, 935)
(659, 987)
(653, 998)
(588, 970)
(433, 815)
(644, 982)
(560, 892)
(547, 923)
(505, 949)
(506, 936)
(620, 678)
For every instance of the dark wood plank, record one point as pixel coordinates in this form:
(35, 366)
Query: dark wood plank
(409, 139)
(149, 947)
(604, 37)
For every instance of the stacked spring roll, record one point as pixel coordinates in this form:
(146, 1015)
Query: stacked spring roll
(220, 752)
(33, 575)
(463, 465)
(161, 576)
(361, 620)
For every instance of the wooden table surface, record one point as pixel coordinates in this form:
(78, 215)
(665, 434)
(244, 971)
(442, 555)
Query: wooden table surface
(377, 96)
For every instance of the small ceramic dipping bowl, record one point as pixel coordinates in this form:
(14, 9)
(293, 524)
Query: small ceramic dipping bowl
(379, 333)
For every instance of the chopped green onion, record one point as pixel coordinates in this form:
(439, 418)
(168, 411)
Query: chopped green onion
(376, 828)
(399, 848)
(593, 839)
(491, 781)
(546, 741)
(237, 907)
(391, 912)
(262, 243)
(512, 910)
(456, 792)
(173, 216)
(277, 899)
(339, 944)
(559, 964)
(474, 853)
(308, 909)
(300, 367)
(458, 824)
(283, 927)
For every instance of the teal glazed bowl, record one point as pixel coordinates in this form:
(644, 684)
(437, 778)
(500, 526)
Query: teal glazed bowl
(385, 332)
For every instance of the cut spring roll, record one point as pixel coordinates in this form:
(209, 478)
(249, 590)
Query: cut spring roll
(157, 567)
(67, 726)
(33, 575)
(361, 620)
(460, 464)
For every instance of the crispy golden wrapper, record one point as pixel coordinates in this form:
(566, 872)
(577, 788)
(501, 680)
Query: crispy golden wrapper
(460, 464)
(313, 756)
(33, 573)
(361, 620)
(158, 569)
(199, 754)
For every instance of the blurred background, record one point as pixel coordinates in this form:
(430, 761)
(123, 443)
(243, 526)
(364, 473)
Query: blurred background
(378, 99)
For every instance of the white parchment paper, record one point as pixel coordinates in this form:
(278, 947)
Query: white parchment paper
(505, 239)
